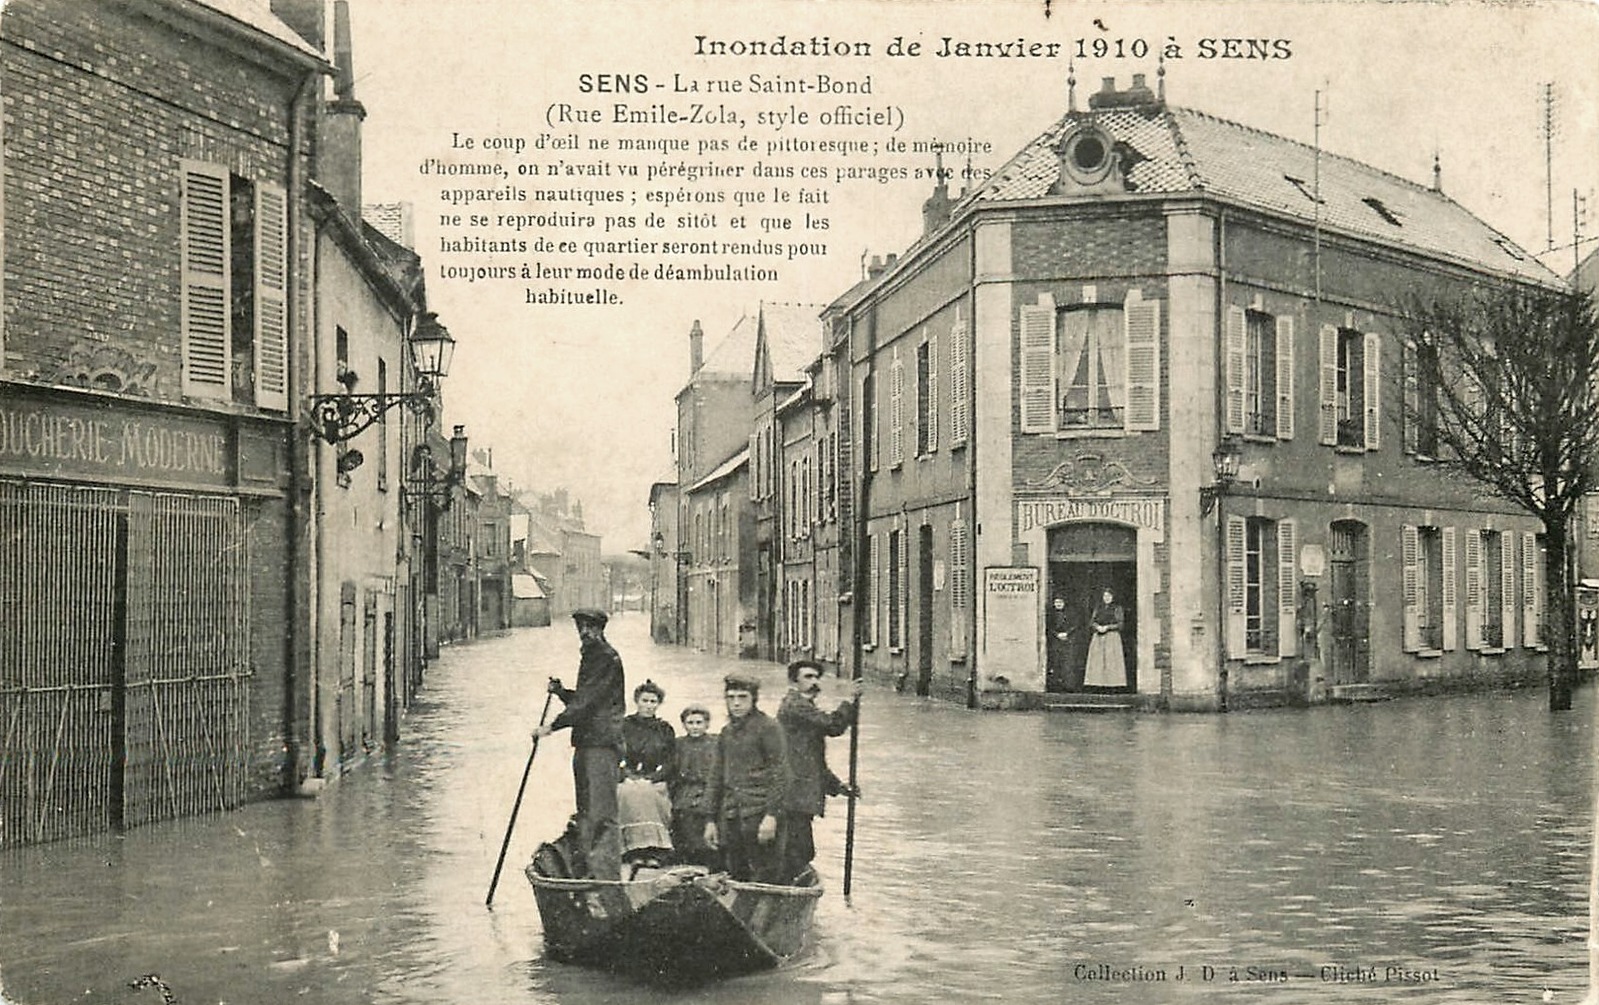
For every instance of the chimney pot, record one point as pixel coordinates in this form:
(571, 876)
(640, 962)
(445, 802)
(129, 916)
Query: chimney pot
(696, 348)
(1138, 80)
(1108, 85)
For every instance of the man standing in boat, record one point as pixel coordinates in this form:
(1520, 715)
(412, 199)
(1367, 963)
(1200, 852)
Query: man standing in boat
(747, 791)
(594, 711)
(805, 732)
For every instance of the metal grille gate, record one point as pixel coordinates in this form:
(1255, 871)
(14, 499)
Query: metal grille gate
(123, 658)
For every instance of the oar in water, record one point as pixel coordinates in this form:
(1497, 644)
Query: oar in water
(516, 806)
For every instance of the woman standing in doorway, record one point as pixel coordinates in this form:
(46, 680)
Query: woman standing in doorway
(1107, 664)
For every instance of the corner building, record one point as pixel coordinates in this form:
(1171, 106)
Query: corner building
(1042, 380)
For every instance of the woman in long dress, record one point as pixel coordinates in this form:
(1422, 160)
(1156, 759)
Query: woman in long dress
(648, 763)
(1107, 663)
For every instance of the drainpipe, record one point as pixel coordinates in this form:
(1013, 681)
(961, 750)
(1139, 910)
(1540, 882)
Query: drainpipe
(1221, 498)
(301, 627)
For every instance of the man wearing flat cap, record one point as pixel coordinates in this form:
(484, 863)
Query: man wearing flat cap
(594, 711)
(805, 732)
(748, 787)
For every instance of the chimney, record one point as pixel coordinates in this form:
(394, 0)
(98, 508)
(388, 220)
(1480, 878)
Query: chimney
(306, 17)
(1138, 93)
(696, 348)
(935, 211)
(1437, 173)
(876, 268)
(339, 146)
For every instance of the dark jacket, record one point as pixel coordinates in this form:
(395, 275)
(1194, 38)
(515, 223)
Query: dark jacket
(649, 750)
(594, 709)
(752, 779)
(696, 765)
(805, 731)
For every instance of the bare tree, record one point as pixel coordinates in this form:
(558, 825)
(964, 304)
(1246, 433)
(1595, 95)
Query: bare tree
(1502, 386)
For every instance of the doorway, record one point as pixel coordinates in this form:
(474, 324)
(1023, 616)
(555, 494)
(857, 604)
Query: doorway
(1349, 559)
(1085, 560)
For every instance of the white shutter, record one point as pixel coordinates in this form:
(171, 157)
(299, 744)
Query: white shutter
(1039, 402)
(1372, 358)
(1410, 555)
(1531, 608)
(1285, 377)
(1474, 589)
(930, 406)
(896, 411)
(1450, 629)
(959, 389)
(271, 298)
(1235, 335)
(1287, 588)
(1237, 528)
(958, 586)
(755, 465)
(1327, 350)
(875, 447)
(1507, 586)
(876, 598)
(207, 279)
(904, 560)
(1142, 341)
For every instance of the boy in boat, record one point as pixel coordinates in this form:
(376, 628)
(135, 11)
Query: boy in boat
(691, 797)
(594, 711)
(748, 789)
(805, 732)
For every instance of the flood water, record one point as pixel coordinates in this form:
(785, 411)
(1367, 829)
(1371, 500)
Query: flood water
(999, 857)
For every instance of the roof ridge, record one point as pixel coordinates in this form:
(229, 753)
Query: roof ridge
(1190, 165)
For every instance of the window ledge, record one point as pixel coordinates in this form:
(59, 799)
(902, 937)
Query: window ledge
(1091, 433)
(896, 650)
(957, 657)
(1491, 651)
(1429, 654)
(1259, 438)
(1353, 451)
(1260, 659)
(869, 647)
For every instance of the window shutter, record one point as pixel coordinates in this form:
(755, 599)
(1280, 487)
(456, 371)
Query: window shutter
(1372, 359)
(755, 465)
(1142, 340)
(1531, 629)
(1474, 590)
(1507, 586)
(1233, 368)
(896, 412)
(1327, 349)
(1038, 366)
(958, 588)
(904, 559)
(1285, 377)
(206, 277)
(1287, 588)
(1450, 629)
(930, 406)
(1410, 555)
(1412, 377)
(959, 396)
(874, 434)
(877, 586)
(1236, 530)
(271, 298)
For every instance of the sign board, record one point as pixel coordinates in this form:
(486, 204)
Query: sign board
(1010, 625)
(72, 439)
(1312, 560)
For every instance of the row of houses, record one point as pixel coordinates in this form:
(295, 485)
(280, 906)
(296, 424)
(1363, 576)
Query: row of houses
(1148, 374)
(234, 525)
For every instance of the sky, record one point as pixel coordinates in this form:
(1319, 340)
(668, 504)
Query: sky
(582, 396)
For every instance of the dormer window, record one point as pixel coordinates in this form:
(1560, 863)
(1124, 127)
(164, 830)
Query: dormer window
(1089, 162)
(1382, 210)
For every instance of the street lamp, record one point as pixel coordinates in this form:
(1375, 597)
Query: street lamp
(425, 482)
(1224, 459)
(340, 417)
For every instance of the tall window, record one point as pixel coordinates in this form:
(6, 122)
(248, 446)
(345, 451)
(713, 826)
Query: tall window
(1260, 374)
(1093, 388)
(1260, 586)
(383, 427)
(1421, 401)
(1262, 572)
(1351, 386)
(1493, 582)
(1431, 599)
(1091, 365)
(1351, 389)
(924, 399)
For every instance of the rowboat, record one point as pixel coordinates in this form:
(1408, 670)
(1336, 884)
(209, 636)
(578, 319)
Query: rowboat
(672, 926)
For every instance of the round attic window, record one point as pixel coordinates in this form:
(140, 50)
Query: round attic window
(1088, 153)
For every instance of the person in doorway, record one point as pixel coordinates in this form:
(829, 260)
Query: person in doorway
(1107, 664)
(690, 789)
(748, 790)
(1059, 628)
(594, 712)
(805, 732)
(649, 754)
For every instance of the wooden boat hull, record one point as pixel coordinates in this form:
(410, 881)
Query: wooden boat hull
(674, 926)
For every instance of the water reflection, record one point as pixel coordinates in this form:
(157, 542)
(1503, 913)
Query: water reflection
(999, 857)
